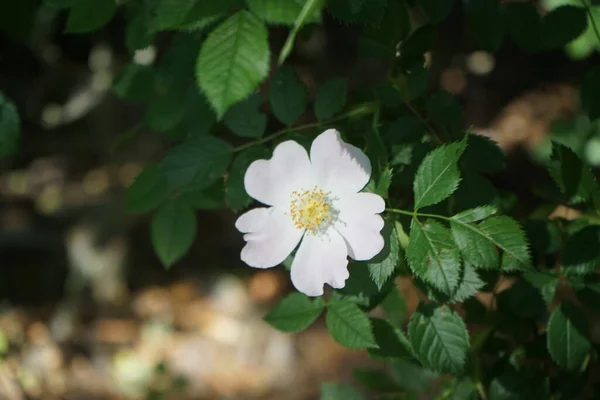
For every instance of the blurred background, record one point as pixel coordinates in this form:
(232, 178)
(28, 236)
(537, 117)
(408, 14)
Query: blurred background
(86, 309)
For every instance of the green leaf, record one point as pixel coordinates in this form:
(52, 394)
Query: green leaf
(349, 325)
(419, 42)
(469, 285)
(590, 93)
(287, 95)
(89, 15)
(169, 14)
(295, 313)
(521, 300)
(394, 307)
(438, 175)
(563, 25)
(148, 191)
(483, 155)
(204, 13)
(245, 118)
(205, 199)
(233, 60)
(475, 247)
(475, 214)
(199, 117)
(173, 231)
(544, 281)
(444, 109)
(433, 256)
(376, 380)
(197, 162)
(333, 391)
(437, 10)
(135, 82)
(487, 23)
(525, 25)
(465, 389)
(311, 7)
(137, 34)
(10, 127)
(439, 337)
(165, 111)
(331, 98)
(412, 377)
(361, 12)
(236, 195)
(574, 178)
(383, 185)
(406, 129)
(383, 265)
(282, 12)
(581, 254)
(391, 341)
(568, 337)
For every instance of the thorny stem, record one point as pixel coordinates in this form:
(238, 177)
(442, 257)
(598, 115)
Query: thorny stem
(294, 129)
(589, 11)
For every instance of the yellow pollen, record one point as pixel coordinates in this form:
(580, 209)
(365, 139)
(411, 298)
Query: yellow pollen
(310, 210)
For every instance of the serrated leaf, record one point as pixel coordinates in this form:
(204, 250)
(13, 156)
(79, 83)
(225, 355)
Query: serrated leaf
(469, 285)
(487, 22)
(475, 247)
(295, 313)
(236, 195)
(203, 13)
(406, 129)
(135, 82)
(420, 41)
(568, 336)
(581, 254)
(173, 231)
(383, 184)
(438, 175)
(573, 177)
(382, 266)
(281, 12)
(233, 60)
(89, 15)
(544, 281)
(331, 98)
(147, 191)
(197, 163)
(333, 391)
(245, 118)
(521, 300)
(475, 214)
(483, 155)
(433, 256)
(506, 234)
(391, 341)
(165, 111)
(439, 337)
(437, 10)
(349, 325)
(10, 127)
(205, 199)
(310, 8)
(590, 87)
(287, 95)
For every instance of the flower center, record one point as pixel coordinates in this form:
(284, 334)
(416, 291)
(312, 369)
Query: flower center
(312, 210)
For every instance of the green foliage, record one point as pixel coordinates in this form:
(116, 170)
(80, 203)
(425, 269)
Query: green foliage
(568, 341)
(282, 12)
(233, 60)
(487, 22)
(287, 96)
(134, 83)
(590, 101)
(236, 193)
(331, 98)
(89, 15)
(148, 191)
(173, 231)
(10, 127)
(331, 391)
(349, 325)
(245, 118)
(437, 10)
(295, 313)
(383, 265)
(439, 337)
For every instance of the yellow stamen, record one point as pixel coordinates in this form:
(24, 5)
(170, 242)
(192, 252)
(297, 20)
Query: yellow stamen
(310, 210)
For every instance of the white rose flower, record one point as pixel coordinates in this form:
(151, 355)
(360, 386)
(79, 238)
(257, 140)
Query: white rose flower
(314, 202)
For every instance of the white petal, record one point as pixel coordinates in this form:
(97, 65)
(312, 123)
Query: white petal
(271, 236)
(272, 181)
(319, 260)
(360, 225)
(339, 167)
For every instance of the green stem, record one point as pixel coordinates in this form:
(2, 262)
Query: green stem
(294, 129)
(417, 114)
(416, 214)
(589, 11)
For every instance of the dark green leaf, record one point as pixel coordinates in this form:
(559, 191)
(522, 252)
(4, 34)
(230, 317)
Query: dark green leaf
(331, 98)
(364, 12)
(590, 93)
(89, 15)
(470, 284)
(412, 377)
(10, 127)
(165, 111)
(199, 117)
(204, 13)
(506, 234)
(574, 178)
(382, 266)
(391, 341)
(135, 82)
(287, 95)
(438, 175)
(169, 14)
(236, 195)
(148, 191)
(487, 22)
(483, 155)
(205, 199)
(437, 10)
(568, 337)
(522, 300)
(444, 109)
(439, 337)
(349, 325)
(475, 214)
(376, 380)
(332, 391)
(562, 25)
(282, 12)
(394, 307)
(197, 163)
(245, 118)
(295, 312)
(581, 254)
(525, 25)
(475, 247)
(137, 35)
(406, 129)
(433, 256)
(233, 60)
(173, 231)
